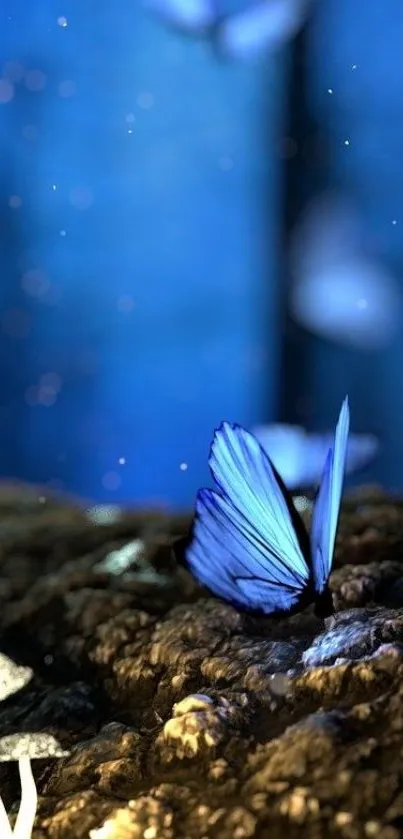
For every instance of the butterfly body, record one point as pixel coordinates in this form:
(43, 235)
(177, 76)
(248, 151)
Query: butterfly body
(249, 544)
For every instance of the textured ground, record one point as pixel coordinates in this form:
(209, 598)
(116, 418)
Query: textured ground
(184, 719)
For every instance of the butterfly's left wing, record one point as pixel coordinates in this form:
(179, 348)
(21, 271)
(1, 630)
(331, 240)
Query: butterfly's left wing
(326, 509)
(245, 545)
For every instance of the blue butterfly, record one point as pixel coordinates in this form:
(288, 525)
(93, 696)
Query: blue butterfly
(248, 544)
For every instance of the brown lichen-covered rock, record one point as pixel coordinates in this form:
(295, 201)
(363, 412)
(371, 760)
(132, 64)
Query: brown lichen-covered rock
(181, 718)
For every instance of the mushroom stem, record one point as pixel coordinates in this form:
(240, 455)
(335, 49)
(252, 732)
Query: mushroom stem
(5, 827)
(29, 800)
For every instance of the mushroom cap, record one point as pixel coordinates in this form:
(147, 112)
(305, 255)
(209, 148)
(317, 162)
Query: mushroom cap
(13, 677)
(34, 745)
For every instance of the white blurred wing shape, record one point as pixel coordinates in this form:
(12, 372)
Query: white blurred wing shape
(261, 27)
(191, 16)
(299, 456)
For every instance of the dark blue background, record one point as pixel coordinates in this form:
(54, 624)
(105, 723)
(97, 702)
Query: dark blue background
(149, 204)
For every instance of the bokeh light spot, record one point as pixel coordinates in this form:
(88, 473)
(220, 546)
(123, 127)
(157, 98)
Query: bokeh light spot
(111, 481)
(13, 71)
(46, 396)
(30, 132)
(52, 380)
(14, 202)
(225, 163)
(81, 197)
(6, 91)
(125, 303)
(35, 283)
(35, 80)
(145, 100)
(66, 89)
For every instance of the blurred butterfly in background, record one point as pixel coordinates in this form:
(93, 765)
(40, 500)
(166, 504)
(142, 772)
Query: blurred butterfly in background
(339, 290)
(249, 544)
(188, 16)
(299, 456)
(236, 29)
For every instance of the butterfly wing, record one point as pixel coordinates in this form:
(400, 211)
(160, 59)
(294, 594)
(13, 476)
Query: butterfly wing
(326, 509)
(245, 545)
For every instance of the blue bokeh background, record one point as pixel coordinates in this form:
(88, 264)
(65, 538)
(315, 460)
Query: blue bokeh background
(141, 201)
(148, 205)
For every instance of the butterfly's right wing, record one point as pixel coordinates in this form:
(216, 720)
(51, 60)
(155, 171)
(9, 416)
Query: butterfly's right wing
(245, 546)
(326, 509)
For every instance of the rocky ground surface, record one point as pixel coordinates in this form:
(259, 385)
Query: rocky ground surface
(182, 718)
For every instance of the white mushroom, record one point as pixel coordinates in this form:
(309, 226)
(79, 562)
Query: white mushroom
(24, 748)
